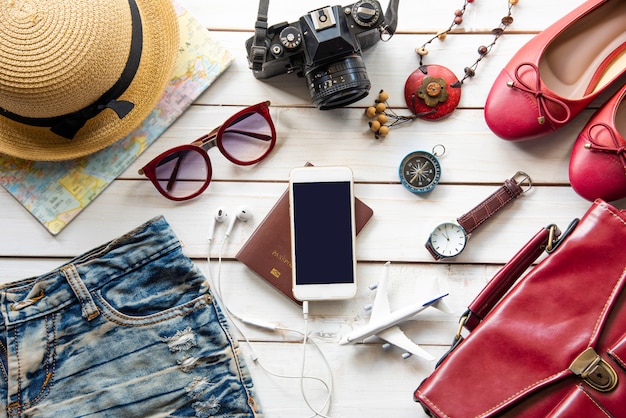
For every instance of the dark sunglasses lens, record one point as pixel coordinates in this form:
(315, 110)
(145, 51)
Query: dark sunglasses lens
(248, 137)
(182, 173)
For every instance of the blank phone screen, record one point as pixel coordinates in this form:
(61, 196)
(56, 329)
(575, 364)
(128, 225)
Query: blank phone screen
(323, 232)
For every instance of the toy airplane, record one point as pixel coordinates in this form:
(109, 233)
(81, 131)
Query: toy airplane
(383, 322)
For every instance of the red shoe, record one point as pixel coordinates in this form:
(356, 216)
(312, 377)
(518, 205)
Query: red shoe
(597, 167)
(559, 72)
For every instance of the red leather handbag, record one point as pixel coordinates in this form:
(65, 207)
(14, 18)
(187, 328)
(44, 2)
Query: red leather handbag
(551, 344)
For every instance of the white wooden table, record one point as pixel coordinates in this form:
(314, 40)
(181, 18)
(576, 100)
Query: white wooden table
(368, 381)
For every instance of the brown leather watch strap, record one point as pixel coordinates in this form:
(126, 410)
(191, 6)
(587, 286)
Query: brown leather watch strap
(509, 191)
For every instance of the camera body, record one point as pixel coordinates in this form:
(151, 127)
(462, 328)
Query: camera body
(325, 47)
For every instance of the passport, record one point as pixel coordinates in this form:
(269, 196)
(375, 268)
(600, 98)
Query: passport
(268, 250)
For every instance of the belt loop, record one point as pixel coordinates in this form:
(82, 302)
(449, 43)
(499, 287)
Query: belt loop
(90, 311)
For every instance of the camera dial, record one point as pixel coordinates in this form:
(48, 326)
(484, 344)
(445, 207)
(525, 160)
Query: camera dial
(365, 13)
(290, 37)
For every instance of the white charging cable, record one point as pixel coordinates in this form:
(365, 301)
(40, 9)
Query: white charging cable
(305, 338)
(328, 387)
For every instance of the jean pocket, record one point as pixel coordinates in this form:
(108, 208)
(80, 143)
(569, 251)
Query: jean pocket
(170, 285)
(121, 318)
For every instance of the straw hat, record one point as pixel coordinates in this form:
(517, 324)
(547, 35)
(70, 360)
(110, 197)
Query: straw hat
(77, 76)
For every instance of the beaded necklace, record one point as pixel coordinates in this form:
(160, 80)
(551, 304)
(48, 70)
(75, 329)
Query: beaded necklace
(433, 91)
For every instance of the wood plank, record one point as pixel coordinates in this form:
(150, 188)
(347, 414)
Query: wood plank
(344, 138)
(397, 232)
(413, 16)
(388, 66)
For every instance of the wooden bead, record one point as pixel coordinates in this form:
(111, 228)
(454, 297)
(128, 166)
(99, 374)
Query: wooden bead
(371, 111)
(375, 125)
(383, 131)
(421, 51)
(441, 36)
(507, 20)
(383, 96)
(381, 107)
(382, 118)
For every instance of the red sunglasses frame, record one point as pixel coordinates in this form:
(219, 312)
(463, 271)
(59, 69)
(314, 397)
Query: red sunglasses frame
(203, 144)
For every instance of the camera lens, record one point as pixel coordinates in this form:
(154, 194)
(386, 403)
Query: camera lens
(338, 83)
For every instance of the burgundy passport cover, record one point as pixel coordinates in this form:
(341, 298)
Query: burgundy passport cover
(268, 250)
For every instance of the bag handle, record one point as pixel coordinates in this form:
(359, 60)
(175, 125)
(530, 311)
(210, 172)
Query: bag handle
(547, 239)
(504, 279)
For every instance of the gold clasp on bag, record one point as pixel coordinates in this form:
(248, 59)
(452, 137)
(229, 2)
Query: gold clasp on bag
(596, 372)
(462, 322)
(553, 235)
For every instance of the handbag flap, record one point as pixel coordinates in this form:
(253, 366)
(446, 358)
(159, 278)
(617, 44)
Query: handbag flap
(551, 316)
(579, 403)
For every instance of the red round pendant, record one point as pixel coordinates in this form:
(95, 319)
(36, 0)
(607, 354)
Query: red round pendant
(432, 92)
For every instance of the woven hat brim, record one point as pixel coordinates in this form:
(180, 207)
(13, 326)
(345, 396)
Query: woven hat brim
(160, 50)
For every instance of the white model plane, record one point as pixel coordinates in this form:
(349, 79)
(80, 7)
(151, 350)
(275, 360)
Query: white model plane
(384, 324)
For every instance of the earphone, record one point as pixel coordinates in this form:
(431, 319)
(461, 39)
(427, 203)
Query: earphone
(220, 216)
(243, 214)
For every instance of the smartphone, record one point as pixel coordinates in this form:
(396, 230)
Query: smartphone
(321, 208)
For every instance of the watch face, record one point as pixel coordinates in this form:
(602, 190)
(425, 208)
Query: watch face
(448, 239)
(420, 171)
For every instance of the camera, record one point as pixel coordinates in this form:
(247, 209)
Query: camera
(325, 47)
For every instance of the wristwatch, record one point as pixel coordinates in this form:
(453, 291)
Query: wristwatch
(449, 238)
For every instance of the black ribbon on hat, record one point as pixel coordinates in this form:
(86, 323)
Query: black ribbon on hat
(68, 125)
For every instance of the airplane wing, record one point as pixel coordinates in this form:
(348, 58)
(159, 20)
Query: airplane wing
(383, 322)
(381, 307)
(395, 336)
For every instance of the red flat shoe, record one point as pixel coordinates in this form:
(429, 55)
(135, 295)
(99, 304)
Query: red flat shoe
(559, 72)
(597, 167)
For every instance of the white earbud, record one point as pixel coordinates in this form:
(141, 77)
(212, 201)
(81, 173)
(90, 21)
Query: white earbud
(243, 214)
(220, 216)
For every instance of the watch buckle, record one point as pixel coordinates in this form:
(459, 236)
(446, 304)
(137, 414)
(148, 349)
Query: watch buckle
(523, 180)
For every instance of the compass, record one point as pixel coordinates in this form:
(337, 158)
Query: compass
(420, 171)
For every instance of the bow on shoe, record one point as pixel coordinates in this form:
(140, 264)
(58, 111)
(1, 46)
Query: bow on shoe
(618, 148)
(542, 99)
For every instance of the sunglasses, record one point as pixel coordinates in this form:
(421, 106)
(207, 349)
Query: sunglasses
(184, 172)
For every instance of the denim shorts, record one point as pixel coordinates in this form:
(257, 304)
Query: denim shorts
(129, 329)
